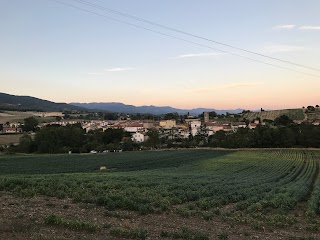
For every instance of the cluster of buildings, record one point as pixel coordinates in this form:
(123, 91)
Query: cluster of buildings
(10, 128)
(139, 129)
(166, 128)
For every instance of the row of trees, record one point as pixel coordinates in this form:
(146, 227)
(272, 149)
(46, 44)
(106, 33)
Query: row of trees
(59, 139)
(289, 136)
(269, 137)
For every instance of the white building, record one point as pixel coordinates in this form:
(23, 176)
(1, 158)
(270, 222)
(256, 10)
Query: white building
(134, 127)
(138, 137)
(236, 125)
(195, 127)
(252, 125)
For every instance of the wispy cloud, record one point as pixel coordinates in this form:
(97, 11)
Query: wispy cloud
(310, 28)
(197, 55)
(271, 49)
(119, 69)
(239, 85)
(284, 27)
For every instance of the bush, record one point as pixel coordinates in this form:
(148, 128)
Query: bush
(55, 220)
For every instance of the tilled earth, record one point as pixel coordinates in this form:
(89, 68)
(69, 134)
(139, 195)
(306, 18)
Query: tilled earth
(24, 218)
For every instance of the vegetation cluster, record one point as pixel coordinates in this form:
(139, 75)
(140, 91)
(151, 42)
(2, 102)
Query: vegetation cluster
(259, 188)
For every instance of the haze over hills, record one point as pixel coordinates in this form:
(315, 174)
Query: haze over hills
(27, 103)
(24, 103)
(124, 108)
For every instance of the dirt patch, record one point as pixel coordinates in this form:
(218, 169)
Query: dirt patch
(22, 218)
(10, 139)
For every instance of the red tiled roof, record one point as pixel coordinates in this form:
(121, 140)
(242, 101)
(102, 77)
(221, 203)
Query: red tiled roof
(238, 123)
(135, 125)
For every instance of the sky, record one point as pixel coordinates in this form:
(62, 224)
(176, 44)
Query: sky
(61, 53)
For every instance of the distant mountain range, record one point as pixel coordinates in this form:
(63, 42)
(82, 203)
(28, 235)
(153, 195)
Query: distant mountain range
(27, 103)
(123, 108)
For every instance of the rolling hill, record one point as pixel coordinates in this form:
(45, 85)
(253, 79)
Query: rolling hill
(27, 103)
(123, 108)
(294, 114)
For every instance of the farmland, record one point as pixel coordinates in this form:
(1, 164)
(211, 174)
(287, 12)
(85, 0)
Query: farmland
(187, 194)
(294, 114)
(9, 138)
(16, 116)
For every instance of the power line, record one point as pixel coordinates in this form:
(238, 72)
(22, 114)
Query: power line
(189, 34)
(182, 39)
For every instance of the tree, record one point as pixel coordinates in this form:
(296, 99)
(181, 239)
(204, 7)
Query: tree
(30, 124)
(283, 120)
(170, 116)
(129, 145)
(218, 139)
(201, 136)
(58, 139)
(287, 137)
(26, 144)
(113, 135)
(311, 108)
(269, 121)
(153, 138)
(246, 111)
(213, 114)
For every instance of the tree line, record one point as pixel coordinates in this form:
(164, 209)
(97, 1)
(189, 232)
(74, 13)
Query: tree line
(283, 133)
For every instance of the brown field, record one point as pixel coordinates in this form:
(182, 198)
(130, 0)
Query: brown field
(25, 218)
(15, 117)
(10, 138)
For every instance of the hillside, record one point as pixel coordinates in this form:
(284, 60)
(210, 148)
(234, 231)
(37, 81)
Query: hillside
(294, 114)
(23, 103)
(123, 108)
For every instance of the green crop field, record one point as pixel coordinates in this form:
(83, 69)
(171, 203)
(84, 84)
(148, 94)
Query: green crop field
(259, 190)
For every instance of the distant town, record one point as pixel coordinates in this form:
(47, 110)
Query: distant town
(169, 130)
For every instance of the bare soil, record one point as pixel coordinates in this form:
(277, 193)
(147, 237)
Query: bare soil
(10, 139)
(24, 218)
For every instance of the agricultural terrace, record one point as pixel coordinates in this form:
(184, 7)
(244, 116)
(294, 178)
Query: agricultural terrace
(189, 194)
(294, 114)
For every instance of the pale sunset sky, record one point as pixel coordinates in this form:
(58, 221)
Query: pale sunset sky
(60, 53)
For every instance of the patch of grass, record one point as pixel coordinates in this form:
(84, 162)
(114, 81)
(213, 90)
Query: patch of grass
(257, 225)
(313, 227)
(131, 233)
(107, 225)
(185, 212)
(185, 233)
(55, 220)
(223, 236)
(302, 238)
(117, 215)
(281, 220)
